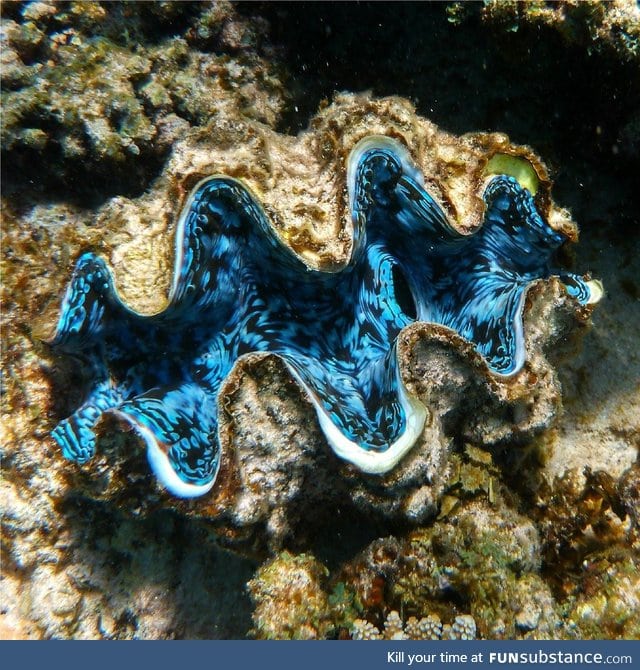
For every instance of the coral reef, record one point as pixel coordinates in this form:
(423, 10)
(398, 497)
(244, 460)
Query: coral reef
(483, 558)
(111, 103)
(293, 601)
(480, 557)
(548, 462)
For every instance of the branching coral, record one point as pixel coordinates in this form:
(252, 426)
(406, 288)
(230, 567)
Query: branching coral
(427, 628)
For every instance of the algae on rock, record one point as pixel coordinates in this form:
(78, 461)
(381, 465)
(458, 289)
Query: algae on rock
(86, 89)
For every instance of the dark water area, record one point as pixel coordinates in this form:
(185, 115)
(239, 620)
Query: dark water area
(567, 103)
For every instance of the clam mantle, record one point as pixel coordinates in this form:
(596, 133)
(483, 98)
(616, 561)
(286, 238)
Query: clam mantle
(299, 196)
(244, 282)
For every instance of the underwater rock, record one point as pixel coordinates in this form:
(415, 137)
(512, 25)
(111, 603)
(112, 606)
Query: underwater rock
(76, 102)
(290, 601)
(483, 559)
(270, 445)
(629, 490)
(72, 569)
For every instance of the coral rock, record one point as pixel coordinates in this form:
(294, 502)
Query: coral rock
(290, 601)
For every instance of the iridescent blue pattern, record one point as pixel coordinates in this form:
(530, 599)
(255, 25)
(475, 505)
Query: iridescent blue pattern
(238, 289)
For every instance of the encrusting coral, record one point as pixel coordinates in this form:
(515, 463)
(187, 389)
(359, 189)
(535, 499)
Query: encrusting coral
(583, 512)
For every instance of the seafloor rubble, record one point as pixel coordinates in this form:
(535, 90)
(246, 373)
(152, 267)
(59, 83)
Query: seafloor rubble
(491, 519)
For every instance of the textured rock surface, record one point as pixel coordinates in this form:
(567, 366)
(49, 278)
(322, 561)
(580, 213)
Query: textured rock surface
(114, 578)
(604, 26)
(89, 552)
(105, 89)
